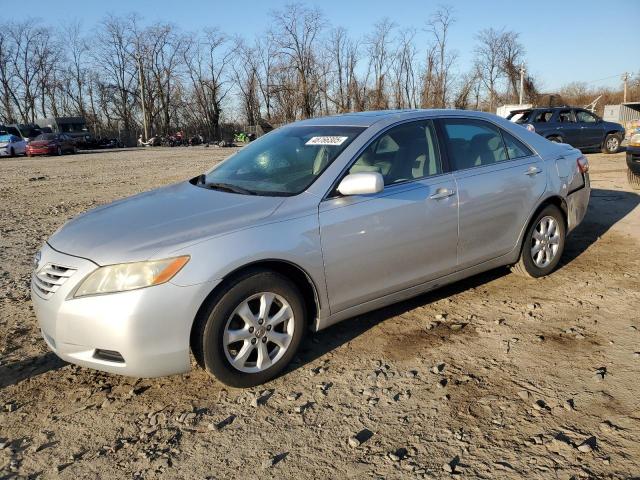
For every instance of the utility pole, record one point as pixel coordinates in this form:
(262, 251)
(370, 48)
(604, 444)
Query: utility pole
(142, 97)
(521, 83)
(625, 78)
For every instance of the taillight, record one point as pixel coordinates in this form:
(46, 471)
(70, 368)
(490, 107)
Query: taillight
(583, 164)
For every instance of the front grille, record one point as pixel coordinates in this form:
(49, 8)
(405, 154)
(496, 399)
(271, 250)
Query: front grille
(50, 278)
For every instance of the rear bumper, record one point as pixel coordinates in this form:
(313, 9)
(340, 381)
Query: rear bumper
(633, 159)
(577, 204)
(149, 327)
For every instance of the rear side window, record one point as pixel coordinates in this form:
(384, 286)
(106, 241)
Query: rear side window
(515, 148)
(473, 143)
(565, 116)
(543, 116)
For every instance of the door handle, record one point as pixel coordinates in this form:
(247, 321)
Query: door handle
(442, 193)
(531, 171)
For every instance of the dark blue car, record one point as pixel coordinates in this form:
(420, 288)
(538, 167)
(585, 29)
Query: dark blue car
(578, 127)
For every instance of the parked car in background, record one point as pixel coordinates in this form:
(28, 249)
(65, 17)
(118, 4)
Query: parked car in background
(74, 127)
(577, 127)
(26, 131)
(51, 144)
(316, 222)
(633, 160)
(11, 145)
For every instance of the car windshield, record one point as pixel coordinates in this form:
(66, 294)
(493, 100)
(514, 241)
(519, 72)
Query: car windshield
(46, 136)
(283, 162)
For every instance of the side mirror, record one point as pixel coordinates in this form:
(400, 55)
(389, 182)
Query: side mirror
(361, 183)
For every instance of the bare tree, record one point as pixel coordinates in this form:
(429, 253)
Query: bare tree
(489, 56)
(380, 59)
(438, 25)
(208, 60)
(405, 89)
(296, 32)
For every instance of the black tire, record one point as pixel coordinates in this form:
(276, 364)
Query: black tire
(611, 144)
(634, 179)
(526, 266)
(12, 152)
(207, 333)
(59, 151)
(555, 139)
(74, 150)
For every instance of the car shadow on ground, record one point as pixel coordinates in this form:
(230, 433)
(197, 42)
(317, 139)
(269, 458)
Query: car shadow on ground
(14, 373)
(606, 208)
(320, 343)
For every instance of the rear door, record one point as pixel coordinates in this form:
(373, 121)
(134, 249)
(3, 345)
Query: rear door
(379, 244)
(499, 182)
(567, 128)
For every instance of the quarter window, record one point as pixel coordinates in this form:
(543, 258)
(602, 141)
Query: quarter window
(515, 148)
(406, 152)
(473, 143)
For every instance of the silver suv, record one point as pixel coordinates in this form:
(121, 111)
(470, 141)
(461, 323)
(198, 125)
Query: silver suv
(311, 224)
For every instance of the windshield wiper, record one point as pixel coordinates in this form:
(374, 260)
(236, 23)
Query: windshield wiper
(227, 187)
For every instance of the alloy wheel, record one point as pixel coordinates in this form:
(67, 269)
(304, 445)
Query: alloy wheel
(258, 332)
(545, 241)
(612, 144)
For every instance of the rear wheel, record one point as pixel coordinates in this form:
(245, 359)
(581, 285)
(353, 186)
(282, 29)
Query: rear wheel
(543, 244)
(12, 152)
(634, 179)
(59, 151)
(250, 331)
(611, 144)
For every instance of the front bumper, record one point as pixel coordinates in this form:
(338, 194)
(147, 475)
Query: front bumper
(149, 327)
(41, 151)
(633, 159)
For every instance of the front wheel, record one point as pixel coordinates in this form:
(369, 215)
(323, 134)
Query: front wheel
(543, 244)
(611, 144)
(59, 151)
(249, 332)
(633, 179)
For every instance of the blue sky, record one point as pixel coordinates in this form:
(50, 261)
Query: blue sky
(589, 40)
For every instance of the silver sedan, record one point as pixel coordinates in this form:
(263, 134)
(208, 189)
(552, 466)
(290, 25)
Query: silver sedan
(311, 224)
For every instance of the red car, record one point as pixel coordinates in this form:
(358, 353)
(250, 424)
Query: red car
(51, 144)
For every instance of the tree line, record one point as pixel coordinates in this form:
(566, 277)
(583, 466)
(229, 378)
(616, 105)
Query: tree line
(125, 74)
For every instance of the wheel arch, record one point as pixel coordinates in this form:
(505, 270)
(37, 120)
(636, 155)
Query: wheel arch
(290, 270)
(556, 200)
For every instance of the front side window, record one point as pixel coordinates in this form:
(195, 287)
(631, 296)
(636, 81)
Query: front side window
(406, 152)
(284, 162)
(585, 117)
(473, 143)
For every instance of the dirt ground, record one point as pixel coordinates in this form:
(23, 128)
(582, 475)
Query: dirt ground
(494, 377)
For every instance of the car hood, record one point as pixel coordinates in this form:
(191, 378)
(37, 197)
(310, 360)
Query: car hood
(157, 222)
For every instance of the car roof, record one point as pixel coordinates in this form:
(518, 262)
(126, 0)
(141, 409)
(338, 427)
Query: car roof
(367, 119)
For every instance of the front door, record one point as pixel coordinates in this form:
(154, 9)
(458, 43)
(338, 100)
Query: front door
(379, 244)
(590, 128)
(499, 183)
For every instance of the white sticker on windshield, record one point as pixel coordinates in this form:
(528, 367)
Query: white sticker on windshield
(326, 140)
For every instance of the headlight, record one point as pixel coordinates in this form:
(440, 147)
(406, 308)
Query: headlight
(130, 276)
(634, 141)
